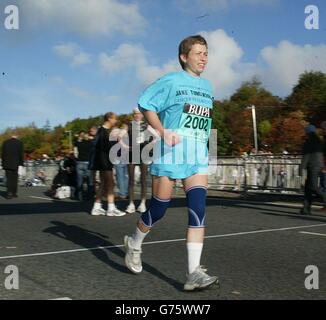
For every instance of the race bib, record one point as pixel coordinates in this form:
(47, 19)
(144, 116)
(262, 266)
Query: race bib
(196, 122)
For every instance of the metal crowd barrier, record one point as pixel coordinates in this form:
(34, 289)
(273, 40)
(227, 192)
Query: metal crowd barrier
(265, 173)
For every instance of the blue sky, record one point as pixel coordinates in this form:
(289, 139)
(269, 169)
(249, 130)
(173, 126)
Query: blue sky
(81, 58)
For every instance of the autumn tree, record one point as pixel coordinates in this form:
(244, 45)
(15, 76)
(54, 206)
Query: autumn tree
(287, 133)
(239, 115)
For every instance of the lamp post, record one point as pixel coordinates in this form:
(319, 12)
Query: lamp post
(254, 123)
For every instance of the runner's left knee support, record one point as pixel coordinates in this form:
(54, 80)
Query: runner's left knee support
(196, 203)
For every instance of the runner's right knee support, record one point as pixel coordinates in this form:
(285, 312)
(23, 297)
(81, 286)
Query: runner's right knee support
(155, 212)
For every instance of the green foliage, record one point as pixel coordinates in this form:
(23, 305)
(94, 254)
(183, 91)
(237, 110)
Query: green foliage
(280, 123)
(252, 93)
(264, 128)
(309, 95)
(224, 142)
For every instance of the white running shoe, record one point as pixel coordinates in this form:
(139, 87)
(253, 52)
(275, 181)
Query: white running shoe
(131, 208)
(199, 279)
(115, 213)
(98, 212)
(141, 208)
(132, 257)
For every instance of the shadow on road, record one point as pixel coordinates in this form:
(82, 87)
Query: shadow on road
(3, 194)
(92, 240)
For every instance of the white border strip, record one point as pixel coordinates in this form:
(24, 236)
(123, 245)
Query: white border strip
(273, 203)
(48, 199)
(314, 234)
(219, 200)
(161, 241)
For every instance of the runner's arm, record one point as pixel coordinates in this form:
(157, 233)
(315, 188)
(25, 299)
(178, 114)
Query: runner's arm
(170, 138)
(154, 121)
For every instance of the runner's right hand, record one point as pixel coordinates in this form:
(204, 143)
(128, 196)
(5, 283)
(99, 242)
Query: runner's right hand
(171, 138)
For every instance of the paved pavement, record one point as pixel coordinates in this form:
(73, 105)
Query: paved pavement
(259, 248)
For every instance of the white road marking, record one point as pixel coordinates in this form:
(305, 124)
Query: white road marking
(275, 203)
(281, 204)
(161, 241)
(42, 198)
(63, 298)
(313, 233)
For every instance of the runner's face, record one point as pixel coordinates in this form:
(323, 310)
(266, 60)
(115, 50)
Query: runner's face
(196, 60)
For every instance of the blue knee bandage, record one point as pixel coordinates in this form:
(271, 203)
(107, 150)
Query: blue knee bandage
(196, 203)
(155, 211)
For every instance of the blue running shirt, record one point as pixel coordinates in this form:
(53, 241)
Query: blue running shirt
(184, 104)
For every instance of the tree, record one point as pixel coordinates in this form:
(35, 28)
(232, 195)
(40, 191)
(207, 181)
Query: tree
(309, 96)
(287, 133)
(239, 123)
(224, 141)
(264, 128)
(47, 126)
(239, 117)
(252, 93)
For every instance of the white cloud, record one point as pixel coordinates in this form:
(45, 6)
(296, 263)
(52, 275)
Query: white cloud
(125, 56)
(277, 67)
(128, 56)
(224, 70)
(224, 56)
(86, 17)
(74, 53)
(281, 66)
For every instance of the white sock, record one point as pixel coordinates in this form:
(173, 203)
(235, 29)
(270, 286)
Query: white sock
(194, 253)
(111, 206)
(131, 203)
(143, 202)
(138, 238)
(97, 205)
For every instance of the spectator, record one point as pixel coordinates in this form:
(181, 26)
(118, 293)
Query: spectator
(12, 157)
(281, 178)
(92, 134)
(121, 165)
(41, 176)
(323, 174)
(100, 160)
(313, 162)
(83, 148)
(69, 167)
(137, 132)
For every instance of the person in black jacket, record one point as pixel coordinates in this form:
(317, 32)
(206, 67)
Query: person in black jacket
(313, 162)
(12, 157)
(323, 175)
(83, 148)
(100, 161)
